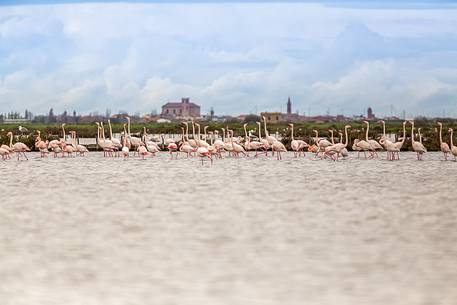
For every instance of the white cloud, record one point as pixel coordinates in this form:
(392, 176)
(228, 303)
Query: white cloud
(229, 56)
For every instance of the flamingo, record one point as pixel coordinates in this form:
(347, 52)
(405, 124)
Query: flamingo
(388, 145)
(55, 146)
(80, 149)
(364, 145)
(142, 150)
(227, 143)
(18, 147)
(373, 143)
(419, 133)
(252, 145)
(399, 144)
(116, 142)
(321, 143)
(219, 144)
(106, 145)
(278, 147)
(5, 153)
(337, 149)
(200, 142)
(185, 146)
(344, 151)
(265, 143)
(152, 147)
(418, 147)
(443, 145)
(297, 146)
(172, 148)
(237, 148)
(125, 148)
(134, 141)
(41, 145)
(202, 151)
(453, 148)
(269, 138)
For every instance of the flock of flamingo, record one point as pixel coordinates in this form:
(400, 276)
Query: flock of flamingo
(227, 143)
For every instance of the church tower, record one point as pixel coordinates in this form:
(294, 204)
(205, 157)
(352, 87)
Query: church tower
(289, 106)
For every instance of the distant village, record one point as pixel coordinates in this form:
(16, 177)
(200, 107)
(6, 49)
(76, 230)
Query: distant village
(185, 109)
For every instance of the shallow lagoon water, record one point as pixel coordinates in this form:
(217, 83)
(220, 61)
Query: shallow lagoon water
(109, 231)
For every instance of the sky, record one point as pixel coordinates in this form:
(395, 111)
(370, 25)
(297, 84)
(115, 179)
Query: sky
(335, 57)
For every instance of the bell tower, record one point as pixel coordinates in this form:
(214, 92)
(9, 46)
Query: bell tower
(289, 106)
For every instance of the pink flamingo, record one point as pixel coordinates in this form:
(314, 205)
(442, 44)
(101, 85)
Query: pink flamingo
(453, 148)
(443, 145)
(41, 145)
(18, 147)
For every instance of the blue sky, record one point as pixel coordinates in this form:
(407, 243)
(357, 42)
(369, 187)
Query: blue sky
(235, 57)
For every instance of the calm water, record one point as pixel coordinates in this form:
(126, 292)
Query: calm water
(241, 232)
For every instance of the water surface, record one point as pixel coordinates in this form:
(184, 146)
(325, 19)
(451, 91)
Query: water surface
(109, 231)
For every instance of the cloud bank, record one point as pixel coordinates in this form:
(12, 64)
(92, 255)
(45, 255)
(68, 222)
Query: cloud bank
(234, 57)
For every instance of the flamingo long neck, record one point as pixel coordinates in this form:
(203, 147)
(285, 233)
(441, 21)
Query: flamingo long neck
(63, 132)
(98, 133)
(260, 131)
(11, 139)
(412, 132)
(124, 140)
(193, 130)
(452, 133)
(103, 132)
(265, 127)
(317, 137)
(441, 136)
(128, 127)
(346, 135)
(384, 129)
(198, 127)
(333, 140)
(404, 133)
(111, 130)
(183, 139)
(245, 133)
(366, 133)
(231, 137)
(292, 132)
(187, 131)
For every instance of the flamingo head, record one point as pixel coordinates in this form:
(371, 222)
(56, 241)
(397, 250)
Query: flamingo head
(347, 126)
(450, 130)
(440, 124)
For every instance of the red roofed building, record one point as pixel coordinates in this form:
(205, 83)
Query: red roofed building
(184, 109)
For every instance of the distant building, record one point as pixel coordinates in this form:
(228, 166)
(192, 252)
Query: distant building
(177, 110)
(370, 114)
(289, 106)
(273, 117)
